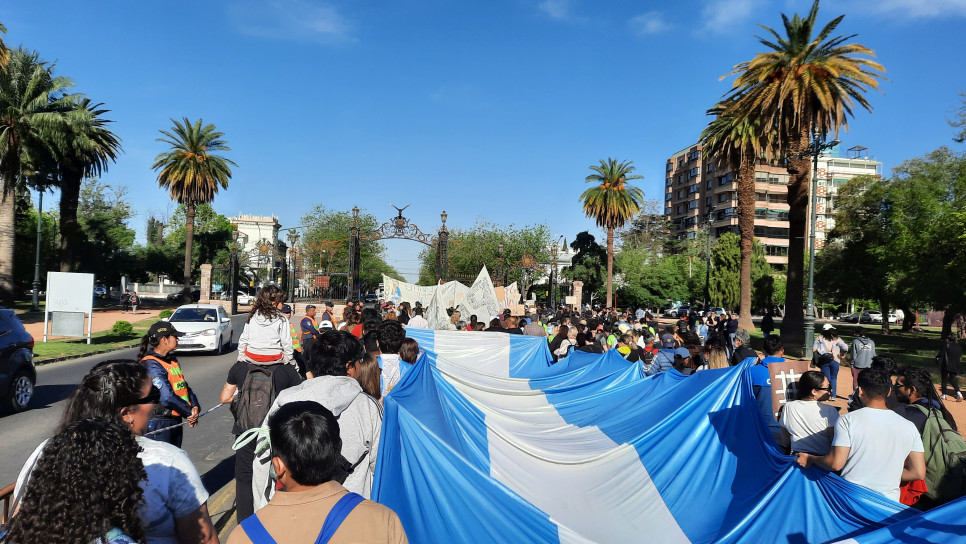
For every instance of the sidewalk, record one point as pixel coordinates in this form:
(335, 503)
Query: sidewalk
(103, 321)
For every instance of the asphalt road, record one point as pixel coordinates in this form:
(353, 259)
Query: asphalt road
(208, 445)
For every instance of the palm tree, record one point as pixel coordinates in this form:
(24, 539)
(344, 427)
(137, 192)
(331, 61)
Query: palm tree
(192, 173)
(33, 116)
(90, 146)
(4, 52)
(808, 82)
(737, 142)
(611, 204)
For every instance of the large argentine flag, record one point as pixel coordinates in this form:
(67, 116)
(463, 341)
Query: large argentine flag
(484, 441)
(946, 523)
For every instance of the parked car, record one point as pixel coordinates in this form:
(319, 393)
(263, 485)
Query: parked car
(178, 297)
(206, 327)
(17, 373)
(244, 299)
(100, 291)
(671, 312)
(683, 311)
(864, 317)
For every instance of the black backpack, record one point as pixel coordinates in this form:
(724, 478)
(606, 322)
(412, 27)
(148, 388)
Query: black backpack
(255, 397)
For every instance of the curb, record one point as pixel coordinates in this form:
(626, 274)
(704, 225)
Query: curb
(42, 362)
(221, 508)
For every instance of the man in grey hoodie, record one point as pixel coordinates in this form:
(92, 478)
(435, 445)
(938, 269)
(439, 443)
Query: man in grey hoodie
(335, 362)
(863, 350)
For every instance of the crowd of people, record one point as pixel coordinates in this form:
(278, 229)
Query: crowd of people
(306, 396)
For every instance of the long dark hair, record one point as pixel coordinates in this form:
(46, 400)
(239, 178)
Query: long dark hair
(809, 381)
(147, 343)
(265, 303)
(108, 387)
(86, 483)
(921, 381)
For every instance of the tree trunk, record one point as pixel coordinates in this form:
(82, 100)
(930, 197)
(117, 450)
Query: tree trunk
(69, 227)
(746, 225)
(799, 170)
(884, 308)
(610, 267)
(908, 318)
(189, 231)
(8, 212)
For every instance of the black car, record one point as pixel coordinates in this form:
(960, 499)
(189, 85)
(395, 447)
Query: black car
(17, 373)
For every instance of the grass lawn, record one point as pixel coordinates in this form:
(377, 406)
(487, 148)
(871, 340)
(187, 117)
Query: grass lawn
(905, 348)
(100, 341)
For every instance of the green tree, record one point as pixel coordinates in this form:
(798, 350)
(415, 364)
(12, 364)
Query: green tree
(25, 253)
(737, 142)
(192, 172)
(807, 83)
(588, 264)
(33, 113)
(959, 121)
(106, 243)
(212, 237)
(472, 249)
(4, 51)
(650, 279)
(85, 151)
(325, 245)
(611, 204)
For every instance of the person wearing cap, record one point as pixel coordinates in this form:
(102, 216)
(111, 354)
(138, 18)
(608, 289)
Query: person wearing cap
(297, 353)
(309, 328)
(329, 313)
(829, 343)
(178, 401)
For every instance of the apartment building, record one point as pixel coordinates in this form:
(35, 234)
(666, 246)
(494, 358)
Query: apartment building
(699, 193)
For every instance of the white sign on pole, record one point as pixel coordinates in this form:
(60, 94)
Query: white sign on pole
(70, 292)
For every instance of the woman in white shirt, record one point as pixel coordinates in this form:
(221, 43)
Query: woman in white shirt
(808, 424)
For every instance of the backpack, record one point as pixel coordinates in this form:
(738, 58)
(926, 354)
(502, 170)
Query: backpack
(945, 458)
(255, 396)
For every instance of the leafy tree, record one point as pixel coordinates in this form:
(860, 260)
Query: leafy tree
(25, 253)
(192, 172)
(33, 112)
(726, 271)
(588, 264)
(106, 243)
(807, 83)
(329, 231)
(212, 236)
(650, 279)
(650, 230)
(611, 204)
(85, 151)
(959, 121)
(471, 249)
(737, 142)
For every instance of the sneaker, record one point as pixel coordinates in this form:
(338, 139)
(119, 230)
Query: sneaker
(959, 397)
(943, 397)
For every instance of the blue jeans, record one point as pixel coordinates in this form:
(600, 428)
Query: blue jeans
(831, 371)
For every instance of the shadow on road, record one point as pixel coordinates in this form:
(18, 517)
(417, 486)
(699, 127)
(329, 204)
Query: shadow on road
(219, 475)
(47, 395)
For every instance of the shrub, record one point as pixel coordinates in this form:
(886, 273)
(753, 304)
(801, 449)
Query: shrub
(122, 328)
(165, 313)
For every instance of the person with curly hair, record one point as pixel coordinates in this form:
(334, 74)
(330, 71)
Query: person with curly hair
(80, 501)
(174, 509)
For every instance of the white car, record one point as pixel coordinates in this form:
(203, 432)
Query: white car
(206, 327)
(244, 299)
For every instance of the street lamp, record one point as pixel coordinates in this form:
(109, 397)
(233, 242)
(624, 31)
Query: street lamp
(814, 149)
(40, 217)
(502, 272)
(293, 240)
(240, 240)
(707, 266)
(553, 271)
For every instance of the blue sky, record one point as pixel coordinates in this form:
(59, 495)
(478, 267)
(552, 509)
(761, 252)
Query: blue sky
(490, 110)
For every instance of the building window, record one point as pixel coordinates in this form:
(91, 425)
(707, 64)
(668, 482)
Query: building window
(771, 232)
(724, 197)
(710, 167)
(693, 189)
(725, 179)
(670, 166)
(709, 184)
(677, 209)
(667, 211)
(681, 194)
(693, 173)
(668, 181)
(707, 202)
(692, 204)
(669, 196)
(695, 155)
(776, 251)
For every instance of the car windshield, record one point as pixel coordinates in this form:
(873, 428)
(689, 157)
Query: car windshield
(194, 315)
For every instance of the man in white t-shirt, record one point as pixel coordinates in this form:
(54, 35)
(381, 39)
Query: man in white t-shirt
(417, 321)
(874, 446)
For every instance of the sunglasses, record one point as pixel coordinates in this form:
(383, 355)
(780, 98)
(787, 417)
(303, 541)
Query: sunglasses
(829, 389)
(153, 397)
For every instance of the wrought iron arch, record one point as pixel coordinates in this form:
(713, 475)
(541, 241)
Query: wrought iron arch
(398, 227)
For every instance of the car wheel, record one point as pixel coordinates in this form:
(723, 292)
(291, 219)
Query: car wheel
(220, 350)
(20, 392)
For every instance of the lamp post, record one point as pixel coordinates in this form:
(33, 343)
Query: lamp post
(502, 273)
(293, 240)
(707, 266)
(354, 253)
(553, 271)
(814, 149)
(40, 218)
(240, 239)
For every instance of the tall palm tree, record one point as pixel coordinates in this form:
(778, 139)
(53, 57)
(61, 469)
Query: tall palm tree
(33, 111)
(737, 142)
(4, 52)
(192, 173)
(90, 146)
(612, 203)
(808, 82)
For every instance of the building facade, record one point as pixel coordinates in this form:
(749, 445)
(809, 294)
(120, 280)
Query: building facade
(263, 251)
(701, 195)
